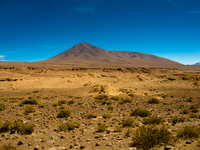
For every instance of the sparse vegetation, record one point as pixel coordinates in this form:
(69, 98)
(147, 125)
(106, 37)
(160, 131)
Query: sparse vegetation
(110, 108)
(153, 101)
(29, 109)
(2, 107)
(128, 122)
(189, 132)
(8, 147)
(89, 116)
(30, 101)
(61, 102)
(63, 113)
(149, 137)
(68, 126)
(140, 112)
(177, 119)
(153, 120)
(70, 102)
(105, 116)
(193, 115)
(101, 97)
(101, 128)
(123, 101)
(128, 133)
(185, 111)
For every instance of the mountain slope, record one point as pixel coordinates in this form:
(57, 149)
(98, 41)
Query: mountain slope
(86, 54)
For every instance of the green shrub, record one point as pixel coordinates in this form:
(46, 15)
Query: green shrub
(70, 102)
(153, 101)
(63, 113)
(153, 120)
(140, 112)
(189, 132)
(105, 116)
(61, 102)
(101, 128)
(68, 126)
(2, 107)
(8, 147)
(128, 122)
(89, 116)
(31, 102)
(149, 137)
(29, 109)
(178, 119)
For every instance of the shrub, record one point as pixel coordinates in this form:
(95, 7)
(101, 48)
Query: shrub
(40, 105)
(116, 98)
(128, 122)
(149, 137)
(140, 112)
(194, 109)
(105, 116)
(131, 95)
(29, 109)
(70, 102)
(118, 129)
(89, 116)
(101, 97)
(189, 99)
(110, 108)
(153, 120)
(61, 102)
(2, 107)
(189, 132)
(4, 127)
(8, 147)
(123, 101)
(185, 111)
(68, 126)
(128, 133)
(153, 101)
(178, 119)
(101, 128)
(63, 113)
(31, 102)
(54, 104)
(193, 115)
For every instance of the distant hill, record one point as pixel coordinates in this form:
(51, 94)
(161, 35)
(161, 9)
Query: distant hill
(198, 64)
(88, 55)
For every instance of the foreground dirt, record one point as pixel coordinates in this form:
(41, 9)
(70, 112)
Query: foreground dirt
(175, 89)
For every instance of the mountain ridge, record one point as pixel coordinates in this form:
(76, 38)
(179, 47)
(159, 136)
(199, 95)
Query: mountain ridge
(84, 53)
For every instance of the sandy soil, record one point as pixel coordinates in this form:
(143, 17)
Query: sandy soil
(48, 86)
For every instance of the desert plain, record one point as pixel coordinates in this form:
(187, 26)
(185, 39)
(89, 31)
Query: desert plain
(98, 106)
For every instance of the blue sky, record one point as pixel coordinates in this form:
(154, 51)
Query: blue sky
(32, 30)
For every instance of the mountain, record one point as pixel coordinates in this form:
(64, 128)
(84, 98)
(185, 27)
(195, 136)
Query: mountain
(198, 64)
(88, 55)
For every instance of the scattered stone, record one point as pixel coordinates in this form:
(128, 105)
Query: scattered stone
(188, 142)
(20, 143)
(97, 144)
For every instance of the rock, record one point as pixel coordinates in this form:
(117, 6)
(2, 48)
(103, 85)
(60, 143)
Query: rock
(88, 140)
(188, 142)
(97, 144)
(82, 146)
(168, 148)
(20, 143)
(30, 144)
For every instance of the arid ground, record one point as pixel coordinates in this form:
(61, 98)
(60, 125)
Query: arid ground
(96, 104)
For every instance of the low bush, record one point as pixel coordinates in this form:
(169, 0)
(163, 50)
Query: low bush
(149, 137)
(105, 116)
(89, 116)
(153, 101)
(54, 104)
(61, 102)
(2, 107)
(194, 109)
(123, 101)
(101, 97)
(110, 108)
(118, 129)
(128, 122)
(31, 102)
(68, 126)
(128, 133)
(193, 115)
(189, 132)
(4, 127)
(101, 128)
(63, 113)
(70, 102)
(140, 112)
(116, 98)
(185, 111)
(153, 120)
(177, 119)
(8, 147)
(29, 109)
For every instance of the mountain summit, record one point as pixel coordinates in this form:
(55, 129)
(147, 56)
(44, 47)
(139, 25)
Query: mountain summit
(88, 55)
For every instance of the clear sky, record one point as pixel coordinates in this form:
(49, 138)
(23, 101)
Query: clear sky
(32, 30)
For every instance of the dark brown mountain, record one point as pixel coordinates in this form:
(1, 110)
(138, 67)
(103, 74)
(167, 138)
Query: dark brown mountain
(88, 55)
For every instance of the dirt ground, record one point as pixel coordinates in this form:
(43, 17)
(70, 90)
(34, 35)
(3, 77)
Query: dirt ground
(79, 88)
